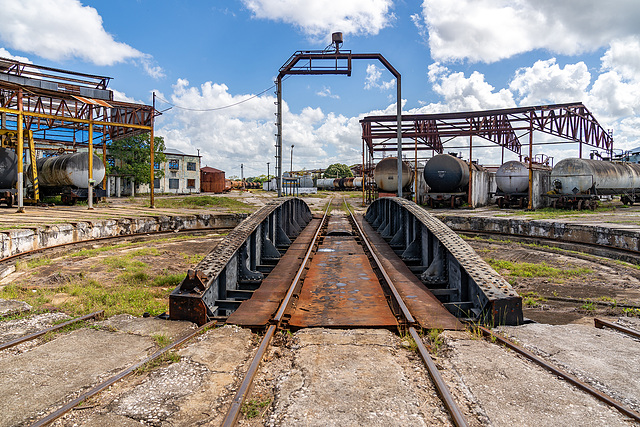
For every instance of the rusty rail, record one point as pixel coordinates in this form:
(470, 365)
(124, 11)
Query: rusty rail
(567, 377)
(9, 344)
(441, 387)
(236, 404)
(600, 323)
(98, 388)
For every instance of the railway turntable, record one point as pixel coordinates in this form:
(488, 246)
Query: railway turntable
(260, 275)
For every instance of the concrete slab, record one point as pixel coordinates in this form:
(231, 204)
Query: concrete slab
(190, 392)
(604, 358)
(148, 326)
(9, 307)
(48, 375)
(12, 329)
(353, 378)
(506, 390)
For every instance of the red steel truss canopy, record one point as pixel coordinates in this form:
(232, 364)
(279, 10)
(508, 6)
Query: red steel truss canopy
(55, 107)
(504, 127)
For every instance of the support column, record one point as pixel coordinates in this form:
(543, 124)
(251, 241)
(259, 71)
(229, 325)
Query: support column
(279, 134)
(399, 136)
(530, 205)
(19, 149)
(133, 187)
(118, 186)
(470, 196)
(91, 182)
(151, 155)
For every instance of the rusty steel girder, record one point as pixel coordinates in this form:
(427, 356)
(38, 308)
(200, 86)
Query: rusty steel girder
(234, 268)
(445, 263)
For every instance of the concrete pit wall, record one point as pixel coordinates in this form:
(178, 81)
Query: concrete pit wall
(13, 242)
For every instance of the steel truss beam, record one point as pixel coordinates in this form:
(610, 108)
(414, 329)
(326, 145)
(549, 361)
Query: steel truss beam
(504, 127)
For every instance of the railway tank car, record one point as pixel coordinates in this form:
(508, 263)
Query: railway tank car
(8, 175)
(448, 179)
(512, 182)
(68, 175)
(386, 175)
(577, 182)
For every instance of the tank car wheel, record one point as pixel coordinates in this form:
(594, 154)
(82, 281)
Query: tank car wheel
(10, 201)
(593, 205)
(580, 205)
(500, 202)
(452, 202)
(431, 204)
(625, 200)
(630, 202)
(521, 202)
(554, 204)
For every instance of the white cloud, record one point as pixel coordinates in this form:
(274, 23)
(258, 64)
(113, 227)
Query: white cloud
(121, 96)
(64, 29)
(319, 18)
(471, 93)
(373, 79)
(491, 30)
(623, 56)
(326, 93)
(546, 83)
(4, 53)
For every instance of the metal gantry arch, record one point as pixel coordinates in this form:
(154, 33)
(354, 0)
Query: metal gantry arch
(333, 61)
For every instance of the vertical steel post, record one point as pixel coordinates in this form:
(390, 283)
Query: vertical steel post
(90, 176)
(415, 172)
(530, 205)
(279, 135)
(399, 121)
(19, 148)
(363, 178)
(152, 150)
(470, 194)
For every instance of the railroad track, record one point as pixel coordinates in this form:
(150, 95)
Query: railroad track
(294, 311)
(405, 321)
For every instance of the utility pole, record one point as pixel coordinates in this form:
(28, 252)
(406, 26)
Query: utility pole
(268, 180)
(291, 166)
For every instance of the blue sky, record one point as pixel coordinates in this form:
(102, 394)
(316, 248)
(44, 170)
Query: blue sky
(458, 55)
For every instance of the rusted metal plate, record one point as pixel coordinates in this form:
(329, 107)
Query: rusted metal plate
(341, 289)
(423, 305)
(259, 309)
(339, 226)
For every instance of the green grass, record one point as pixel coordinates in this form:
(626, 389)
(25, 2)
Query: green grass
(85, 295)
(253, 408)
(526, 269)
(198, 202)
(550, 213)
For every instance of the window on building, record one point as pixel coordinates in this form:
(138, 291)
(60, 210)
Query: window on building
(173, 164)
(191, 166)
(111, 161)
(191, 183)
(174, 184)
(156, 183)
(156, 165)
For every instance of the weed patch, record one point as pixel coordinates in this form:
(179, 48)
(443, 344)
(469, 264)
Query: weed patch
(201, 202)
(255, 407)
(526, 269)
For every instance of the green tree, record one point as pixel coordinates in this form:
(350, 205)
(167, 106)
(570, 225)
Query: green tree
(337, 170)
(132, 156)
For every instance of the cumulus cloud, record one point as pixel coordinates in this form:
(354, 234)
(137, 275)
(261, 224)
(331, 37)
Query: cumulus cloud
(547, 83)
(372, 81)
(319, 18)
(4, 53)
(491, 30)
(64, 29)
(471, 93)
(623, 56)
